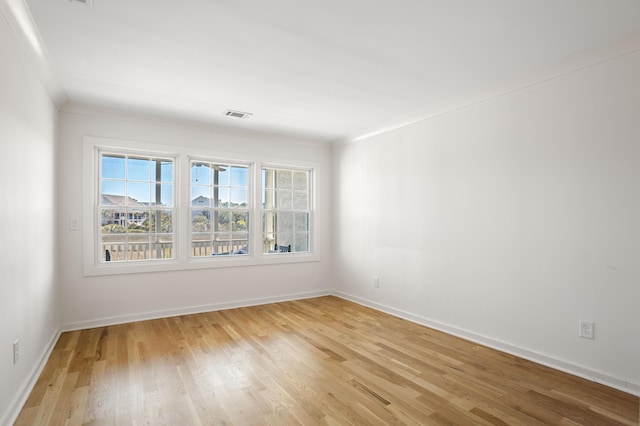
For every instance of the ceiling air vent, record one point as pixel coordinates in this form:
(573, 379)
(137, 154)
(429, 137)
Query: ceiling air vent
(237, 114)
(82, 2)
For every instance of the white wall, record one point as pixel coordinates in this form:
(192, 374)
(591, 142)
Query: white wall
(103, 299)
(507, 221)
(27, 221)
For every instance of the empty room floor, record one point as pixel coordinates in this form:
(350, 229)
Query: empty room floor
(316, 361)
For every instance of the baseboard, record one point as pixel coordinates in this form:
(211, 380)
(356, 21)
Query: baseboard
(102, 322)
(10, 416)
(585, 373)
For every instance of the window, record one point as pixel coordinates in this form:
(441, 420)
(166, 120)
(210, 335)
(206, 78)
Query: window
(286, 210)
(135, 207)
(151, 207)
(219, 209)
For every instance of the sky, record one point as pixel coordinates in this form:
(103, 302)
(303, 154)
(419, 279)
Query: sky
(136, 177)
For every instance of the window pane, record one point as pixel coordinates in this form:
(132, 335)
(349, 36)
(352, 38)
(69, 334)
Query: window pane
(138, 192)
(165, 224)
(138, 250)
(284, 222)
(222, 243)
(200, 244)
(165, 172)
(162, 248)
(222, 220)
(270, 176)
(284, 239)
(268, 199)
(166, 195)
(167, 221)
(113, 192)
(301, 242)
(301, 221)
(201, 173)
(200, 221)
(113, 167)
(240, 221)
(138, 169)
(283, 179)
(138, 247)
(284, 200)
(221, 197)
(220, 174)
(300, 201)
(137, 221)
(113, 229)
(239, 197)
(200, 196)
(112, 251)
(268, 222)
(240, 243)
(300, 180)
(112, 221)
(238, 176)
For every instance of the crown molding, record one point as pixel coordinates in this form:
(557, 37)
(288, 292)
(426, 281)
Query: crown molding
(18, 16)
(568, 65)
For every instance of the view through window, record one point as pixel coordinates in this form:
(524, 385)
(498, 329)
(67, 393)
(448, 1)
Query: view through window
(285, 210)
(219, 209)
(174, 210)
(136, 208)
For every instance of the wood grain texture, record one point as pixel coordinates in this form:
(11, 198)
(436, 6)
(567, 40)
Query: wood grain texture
(316, 361)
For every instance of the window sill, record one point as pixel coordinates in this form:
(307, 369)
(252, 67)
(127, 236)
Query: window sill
(117, 268)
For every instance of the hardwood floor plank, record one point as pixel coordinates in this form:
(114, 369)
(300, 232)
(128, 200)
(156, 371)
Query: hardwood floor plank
(315, 361)
(77, 406)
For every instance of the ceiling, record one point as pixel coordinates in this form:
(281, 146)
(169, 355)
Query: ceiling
(322, 70)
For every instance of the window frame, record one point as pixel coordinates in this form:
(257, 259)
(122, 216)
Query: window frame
(250, 202)
(126, 180)
(310, 207)
(182, 156)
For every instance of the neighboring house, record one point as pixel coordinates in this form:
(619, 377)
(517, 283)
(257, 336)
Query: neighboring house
(121, 215)
(201, 201)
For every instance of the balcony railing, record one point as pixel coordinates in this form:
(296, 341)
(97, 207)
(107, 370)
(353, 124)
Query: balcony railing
(119, 251)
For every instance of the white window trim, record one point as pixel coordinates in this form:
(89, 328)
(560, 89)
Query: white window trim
(182, 260)
(312, 204)
(251, 178)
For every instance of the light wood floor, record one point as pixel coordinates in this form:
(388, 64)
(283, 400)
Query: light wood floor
(315, 361)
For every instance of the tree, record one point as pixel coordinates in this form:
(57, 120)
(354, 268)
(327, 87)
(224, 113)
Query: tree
(200, 223)
(113, 228)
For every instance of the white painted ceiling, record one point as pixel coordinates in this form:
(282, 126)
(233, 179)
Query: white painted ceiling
(321, 69)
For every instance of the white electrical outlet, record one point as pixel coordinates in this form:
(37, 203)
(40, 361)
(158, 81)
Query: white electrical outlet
(586, 329)
(16, 351)
(376, 282)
